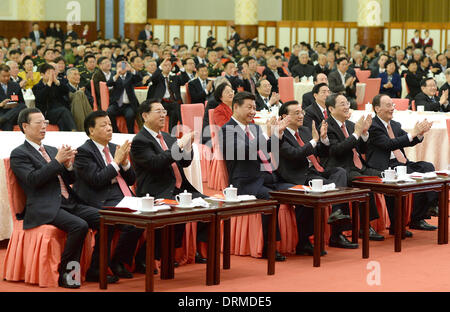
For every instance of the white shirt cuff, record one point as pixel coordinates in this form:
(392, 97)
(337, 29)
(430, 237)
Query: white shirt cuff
(326, 141)
(125, 168)
(356, 136)
(313, 143)
(116, 166)
(365, 137)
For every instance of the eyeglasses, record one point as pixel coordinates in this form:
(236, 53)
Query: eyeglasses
(160, 111)
(40, 123)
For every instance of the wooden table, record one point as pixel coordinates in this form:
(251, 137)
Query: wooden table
(151, 221)
(401, 190)
(224, 211)
(319, 201)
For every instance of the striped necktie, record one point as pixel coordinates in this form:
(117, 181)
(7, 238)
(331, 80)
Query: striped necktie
(312, 158)
(64, 191)
(120, 180)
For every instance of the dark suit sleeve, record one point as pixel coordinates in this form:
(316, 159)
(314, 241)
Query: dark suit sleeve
(41, 93)
(340, 149)
(295, 153)
(335, 83)
(379, 138)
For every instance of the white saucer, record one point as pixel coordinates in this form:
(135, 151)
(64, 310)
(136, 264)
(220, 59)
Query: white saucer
(389, 181)
(317, 191)
(232, 200)
(186, 207)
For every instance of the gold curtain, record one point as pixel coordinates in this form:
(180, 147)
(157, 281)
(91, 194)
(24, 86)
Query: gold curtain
(430, 11)
(312, 10)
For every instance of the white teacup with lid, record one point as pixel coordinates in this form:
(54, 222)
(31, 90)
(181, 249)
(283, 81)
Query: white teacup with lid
(184, 199)
(147, 203)
(230, 193)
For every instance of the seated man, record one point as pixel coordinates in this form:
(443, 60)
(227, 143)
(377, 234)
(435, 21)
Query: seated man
(299, 152)
(317, 111)
(348, 141)
(201, 87)
(385, 149)
(104, 175)
(9, 92)
(45, 174)
(265, 99)
(158, 172)
(308, 97)
(428, 98)
(245, 150)
(340, 81)
(273, 72)
(49, 93)
(303, 69)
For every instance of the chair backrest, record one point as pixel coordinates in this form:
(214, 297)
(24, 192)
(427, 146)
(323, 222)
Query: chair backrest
(448, 128)
(213, 128)
(286, 88)
(372, 89)
(260, 69)
(192, 116)
(413, 105)
(16, 195)
(93, 95)
(401, 104)
(188, 95)
(104, 96)
(363, 75)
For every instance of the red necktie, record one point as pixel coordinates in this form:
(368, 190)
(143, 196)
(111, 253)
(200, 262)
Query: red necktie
(311, 158)
(356, 160)
(122, 184)
(397, 153)
(325, 114)
(176, 171)
(64, 191)
(261, 155)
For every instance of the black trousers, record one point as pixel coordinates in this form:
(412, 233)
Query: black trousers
(125, 110)
(421, 201)
(173, 112)
(62, 117)
(75, 220)
(10, 116)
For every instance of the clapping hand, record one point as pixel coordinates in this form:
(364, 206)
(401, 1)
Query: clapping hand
(275, 123)
(367, 123)
(314, 132)
(66, 155)
(122, 152)
(323, 130)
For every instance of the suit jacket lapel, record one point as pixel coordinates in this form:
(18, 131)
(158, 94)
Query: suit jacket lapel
(97, 153)
(336, 127)
(36, 154)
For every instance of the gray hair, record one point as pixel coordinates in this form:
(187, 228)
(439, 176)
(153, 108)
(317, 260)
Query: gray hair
(9, 63)
(418, 51)
(303, 53)
(400, 52)
(447, 72)
(71, 70)
(219, 80)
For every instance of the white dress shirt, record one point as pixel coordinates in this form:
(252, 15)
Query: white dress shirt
(113, 163)
(364, 137)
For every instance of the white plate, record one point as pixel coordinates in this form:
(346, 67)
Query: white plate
(389, 181)
(225, 201)
(232, 200)
(186, 207)
(316, 191)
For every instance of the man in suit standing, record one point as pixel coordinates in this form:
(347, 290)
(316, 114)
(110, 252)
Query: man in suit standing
(348, 141)
(154, 155)
(9, 92)
(241, 142)
(70, 33)
(45, 174)
(146, 34)
(340, 81)
(201, 87)
(300, 150)
(264, 98)
(385, 149)
(104, 175)
(36, 34)
(234, 35)
(317, 111)
(308, 97)
(428, 98)
(167, 87)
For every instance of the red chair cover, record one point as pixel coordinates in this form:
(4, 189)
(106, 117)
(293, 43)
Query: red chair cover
(286, 89)
(401, 104)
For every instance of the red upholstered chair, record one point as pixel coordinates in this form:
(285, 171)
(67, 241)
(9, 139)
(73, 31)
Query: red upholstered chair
(95, 106)
(413, 105)
(362, 76)
(192, 116)
(372, 89)
(33, 255)
(260, 69)
(286, 88)
(217, 174)
(188, 94)
(401, 104)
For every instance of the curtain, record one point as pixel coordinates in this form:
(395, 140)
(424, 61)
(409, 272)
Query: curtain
(312, 10)
(431, 11)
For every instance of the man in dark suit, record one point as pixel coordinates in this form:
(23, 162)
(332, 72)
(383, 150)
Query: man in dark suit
(70, 33)
(441, 64)
(158, 172)
(45, 174)
(303, 69)
(300, 150)
(348, 141)
(104, 175)
(231, 75)
(264, 98)
(146, 34)
(187, 73)
(49, 93)
(234, 35)
(340, 81)
(102, 74)
(321, 66)
(385, 149)
(308, 97)
(167, 87)
(122, 99)
(241, 142)
(9, 92)
(317, 111)
(36, 34)
(272, 73)
(428, 98)
(201, 87)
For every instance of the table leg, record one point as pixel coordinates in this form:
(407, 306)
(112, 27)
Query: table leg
(171, 252)
(441, 218)
(322, 227)
(365, 227)
(210, 265)
(226, 244)
(398, 223)
(317, 235)
(355, 222)
(272, 241)
(404, 204)
(103, 253)
(164, 253)
(150, 259)
(217, 246)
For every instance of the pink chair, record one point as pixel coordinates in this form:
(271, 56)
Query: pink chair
(372, 89)
(413, 105)
(260, 69)
(448, 128)
(217, 173)
(286, 88)
(34, 255)
(363, 75)
(95, 106)
(401, 104)
(192, 116)
(188, 94)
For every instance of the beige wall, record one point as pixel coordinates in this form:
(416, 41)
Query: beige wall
(350, 13)
(268, 10)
